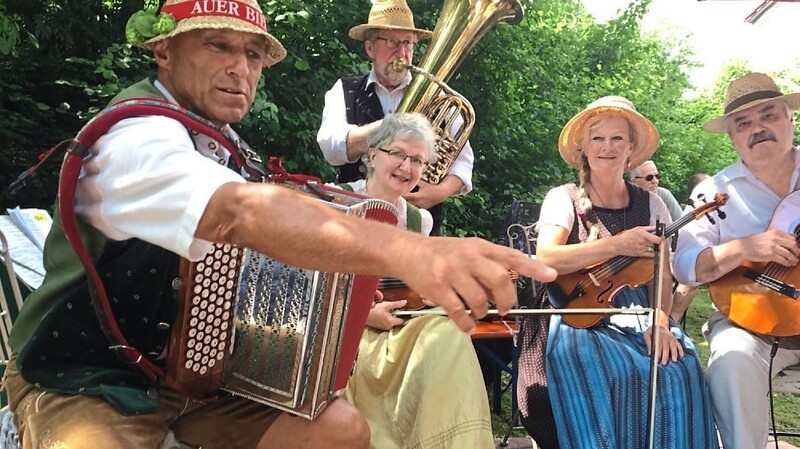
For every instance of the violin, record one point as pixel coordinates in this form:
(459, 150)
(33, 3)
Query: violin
(596, 286)
(762, 297)
(396, 290)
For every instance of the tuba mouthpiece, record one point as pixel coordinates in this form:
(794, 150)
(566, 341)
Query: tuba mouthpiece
(399, 65)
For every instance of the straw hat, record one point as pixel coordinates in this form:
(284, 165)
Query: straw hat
(178, 16)
(389, 15)
(569, 143)
(746, 92)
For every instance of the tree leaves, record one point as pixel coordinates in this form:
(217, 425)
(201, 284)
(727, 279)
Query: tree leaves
(60, 65)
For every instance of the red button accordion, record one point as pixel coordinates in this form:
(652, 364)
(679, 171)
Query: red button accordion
(276, 334)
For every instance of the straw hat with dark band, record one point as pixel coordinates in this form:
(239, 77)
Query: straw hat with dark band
(746, 92)
(178, 16)
(389, 15)
(571, 139)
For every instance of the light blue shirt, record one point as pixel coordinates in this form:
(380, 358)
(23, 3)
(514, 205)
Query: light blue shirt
(748, 211)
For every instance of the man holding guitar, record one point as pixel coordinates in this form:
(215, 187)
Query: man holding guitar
(758, 119)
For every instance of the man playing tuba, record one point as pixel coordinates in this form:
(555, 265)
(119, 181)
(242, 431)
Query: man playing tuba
(355, 105)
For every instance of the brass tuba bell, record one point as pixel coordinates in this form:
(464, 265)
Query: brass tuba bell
(461, 24)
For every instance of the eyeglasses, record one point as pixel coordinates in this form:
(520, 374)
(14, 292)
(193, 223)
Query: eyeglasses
(400, 157)
(392, 44)
(648, 178)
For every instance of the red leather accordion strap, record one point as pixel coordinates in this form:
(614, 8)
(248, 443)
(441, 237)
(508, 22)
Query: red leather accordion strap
(77, 150)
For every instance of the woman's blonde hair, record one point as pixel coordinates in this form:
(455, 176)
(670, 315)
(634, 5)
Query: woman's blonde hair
(585, 174)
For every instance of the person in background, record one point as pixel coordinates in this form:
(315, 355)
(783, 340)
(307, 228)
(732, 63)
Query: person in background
(355, 105)
(647, 177)
(597, 377)
(684, 294)
(151, 192)
(399, 381)
(693, 181)
(758, 119)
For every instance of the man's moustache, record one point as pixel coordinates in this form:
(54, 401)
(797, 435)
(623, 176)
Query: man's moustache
(759, 137)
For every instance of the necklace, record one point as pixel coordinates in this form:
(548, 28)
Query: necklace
(611, 223)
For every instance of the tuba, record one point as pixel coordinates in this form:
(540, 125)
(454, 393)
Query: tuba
(461, 24)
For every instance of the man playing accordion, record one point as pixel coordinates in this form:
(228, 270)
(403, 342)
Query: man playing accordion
(151, 192)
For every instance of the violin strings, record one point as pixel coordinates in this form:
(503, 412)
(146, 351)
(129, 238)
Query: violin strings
(618, 263)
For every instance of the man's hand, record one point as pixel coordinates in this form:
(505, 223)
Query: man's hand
(428, 195)
(772, 246)
(462, 274)
(357, 140)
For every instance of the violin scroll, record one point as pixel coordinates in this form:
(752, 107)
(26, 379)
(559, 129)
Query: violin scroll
(720, 199)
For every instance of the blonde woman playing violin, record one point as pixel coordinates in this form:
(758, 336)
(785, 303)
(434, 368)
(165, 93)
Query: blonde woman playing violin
(403, 378)
(597, 378)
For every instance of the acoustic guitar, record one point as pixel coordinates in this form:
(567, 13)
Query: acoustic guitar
(763, 297)
(596, 286)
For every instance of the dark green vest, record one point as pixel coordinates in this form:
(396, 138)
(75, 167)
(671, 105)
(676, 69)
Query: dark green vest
(57, 336)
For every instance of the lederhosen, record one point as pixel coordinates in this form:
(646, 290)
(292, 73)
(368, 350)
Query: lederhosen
(363, 107)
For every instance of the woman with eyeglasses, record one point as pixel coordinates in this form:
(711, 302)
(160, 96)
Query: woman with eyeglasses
(402, 380)
(595, 379)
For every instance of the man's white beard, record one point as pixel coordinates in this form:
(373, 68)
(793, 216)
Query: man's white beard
(394, 77)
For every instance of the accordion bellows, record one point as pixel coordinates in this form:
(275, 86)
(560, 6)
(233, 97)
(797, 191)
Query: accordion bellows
(276, 334)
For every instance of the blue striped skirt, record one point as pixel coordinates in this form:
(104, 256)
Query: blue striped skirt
(599, 386)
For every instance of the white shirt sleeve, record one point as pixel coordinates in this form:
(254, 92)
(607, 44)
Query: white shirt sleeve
(332, 134)
(693, 238)
(144, 179)
(462, 168)
(426, 222)
(557, 209)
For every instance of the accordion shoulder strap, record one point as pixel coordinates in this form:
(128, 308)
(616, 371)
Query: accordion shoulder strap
(77, 149)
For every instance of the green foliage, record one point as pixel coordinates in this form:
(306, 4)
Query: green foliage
(37, 109)
(525, 82)
(9, 33)
(528, 80)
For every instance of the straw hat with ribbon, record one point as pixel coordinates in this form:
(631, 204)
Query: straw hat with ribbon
(746, 92)
(571, 139)
(389, 15)
(178, 16)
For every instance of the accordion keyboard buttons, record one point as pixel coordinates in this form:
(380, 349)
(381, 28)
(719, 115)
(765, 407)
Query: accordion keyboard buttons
(210, 309)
